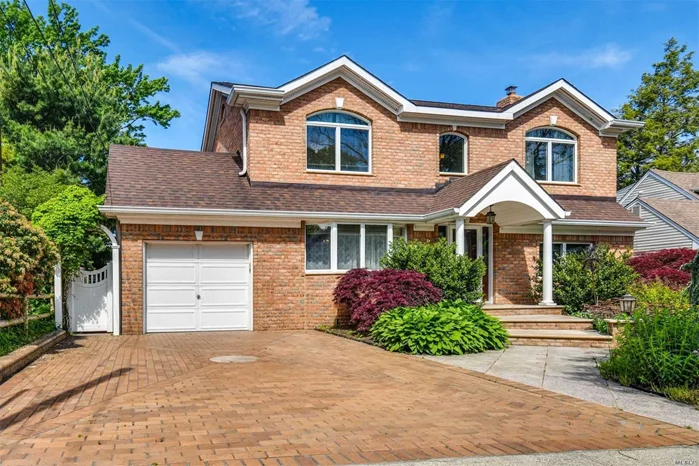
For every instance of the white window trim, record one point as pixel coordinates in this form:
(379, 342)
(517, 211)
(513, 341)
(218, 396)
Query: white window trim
(333, 245)
(338, 143)
(451, 133)
(549, 153)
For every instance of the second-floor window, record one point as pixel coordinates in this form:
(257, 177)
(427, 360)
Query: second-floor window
(452, 153)
(550, 155)
(338, 142)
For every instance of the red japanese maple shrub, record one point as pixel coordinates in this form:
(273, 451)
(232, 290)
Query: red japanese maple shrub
(367, 294)
(664, 266)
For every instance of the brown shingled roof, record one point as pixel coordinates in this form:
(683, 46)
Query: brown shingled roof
(683, 212)
(165, 178)
(688, 181)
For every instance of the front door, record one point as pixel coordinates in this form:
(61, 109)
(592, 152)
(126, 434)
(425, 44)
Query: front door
(478, 243)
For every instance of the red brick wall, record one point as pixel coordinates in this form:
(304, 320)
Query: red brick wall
(406, 154)
(229, 136)
(515, 256)
(284, 297)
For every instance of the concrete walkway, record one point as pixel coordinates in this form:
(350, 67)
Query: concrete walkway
(572, 371)
(685, 456)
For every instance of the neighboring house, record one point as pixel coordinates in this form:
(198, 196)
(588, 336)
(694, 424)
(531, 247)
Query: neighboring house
(297, 184)
(669, 203)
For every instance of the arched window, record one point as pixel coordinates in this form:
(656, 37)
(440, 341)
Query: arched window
(452, 153)
(338, 141)
(551, 155)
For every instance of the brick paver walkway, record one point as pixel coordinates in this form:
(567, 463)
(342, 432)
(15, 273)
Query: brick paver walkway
(309, 399)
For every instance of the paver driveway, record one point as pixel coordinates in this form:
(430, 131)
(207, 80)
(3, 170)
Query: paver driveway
(309, 398)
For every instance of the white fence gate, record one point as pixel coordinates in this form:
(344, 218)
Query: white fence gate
(90, 303)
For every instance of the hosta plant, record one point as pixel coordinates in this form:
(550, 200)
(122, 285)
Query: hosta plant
(449, 327)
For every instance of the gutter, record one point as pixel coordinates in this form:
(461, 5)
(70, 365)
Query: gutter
(244, 117)
(113, 211)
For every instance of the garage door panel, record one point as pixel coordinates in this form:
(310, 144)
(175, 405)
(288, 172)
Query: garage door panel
(212, 296)
(171, 252)
(159, 297)
(164, 273)
(177, 273)
(226, 319)
(171, 320)
(224, 252)
(222, 273)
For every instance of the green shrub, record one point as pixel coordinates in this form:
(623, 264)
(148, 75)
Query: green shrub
(587, 277)
(15, 337)
(456, 275)
(651, 296)
(658, 352)
(693, 289)
(448, 327)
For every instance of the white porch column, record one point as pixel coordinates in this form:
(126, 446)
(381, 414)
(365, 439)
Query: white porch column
(460, 238)
(547, 291)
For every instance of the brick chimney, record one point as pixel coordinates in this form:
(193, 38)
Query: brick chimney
(510, 98)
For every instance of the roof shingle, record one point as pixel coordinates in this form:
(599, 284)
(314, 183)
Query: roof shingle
(166, 178)
(683, 212)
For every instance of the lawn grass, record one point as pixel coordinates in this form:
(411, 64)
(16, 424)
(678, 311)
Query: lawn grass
(15, 337)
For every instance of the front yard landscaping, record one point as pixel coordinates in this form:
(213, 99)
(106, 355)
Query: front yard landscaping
(658, 350)
(424, 301)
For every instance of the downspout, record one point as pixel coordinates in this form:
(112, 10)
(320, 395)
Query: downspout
(245, 143)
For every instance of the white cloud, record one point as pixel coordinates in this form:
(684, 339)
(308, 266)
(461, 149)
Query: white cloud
(607, 56)
(286, 17)
(202, 67)
(154, 35)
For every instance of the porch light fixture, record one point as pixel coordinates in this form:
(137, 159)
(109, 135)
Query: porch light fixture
(628, 304)
(199, 234)
(490, 216)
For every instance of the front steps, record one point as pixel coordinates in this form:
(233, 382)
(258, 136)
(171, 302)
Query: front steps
(546, 326)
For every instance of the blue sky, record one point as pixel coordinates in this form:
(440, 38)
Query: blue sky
(456, 51)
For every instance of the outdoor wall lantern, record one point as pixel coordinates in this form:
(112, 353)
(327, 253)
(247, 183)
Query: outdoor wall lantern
(490, 216)
(628, 304)
(199, 234)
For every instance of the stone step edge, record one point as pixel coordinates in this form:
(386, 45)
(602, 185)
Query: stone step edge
(497, 307)
(542, 335)
(540, 319)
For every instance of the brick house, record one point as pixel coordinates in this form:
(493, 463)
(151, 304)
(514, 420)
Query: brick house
(296, 184)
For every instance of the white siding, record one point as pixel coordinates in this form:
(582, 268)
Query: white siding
(658, 235)
(649, 187)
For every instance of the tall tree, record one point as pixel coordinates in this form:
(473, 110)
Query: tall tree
(668, 102)
(62, 101)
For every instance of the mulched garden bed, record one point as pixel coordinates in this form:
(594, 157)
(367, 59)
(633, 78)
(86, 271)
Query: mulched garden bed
(348, 333)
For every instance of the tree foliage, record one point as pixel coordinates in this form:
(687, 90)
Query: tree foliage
(668, 102)
(62, 101)
(71, 220)
(27, 258)
(26, 190)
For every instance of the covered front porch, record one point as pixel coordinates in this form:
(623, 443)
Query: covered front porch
(508, 198)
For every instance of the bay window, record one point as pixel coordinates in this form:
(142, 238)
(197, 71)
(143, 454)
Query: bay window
(551, 155)
(338, 247)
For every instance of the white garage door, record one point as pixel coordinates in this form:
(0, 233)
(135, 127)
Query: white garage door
(197, 287)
